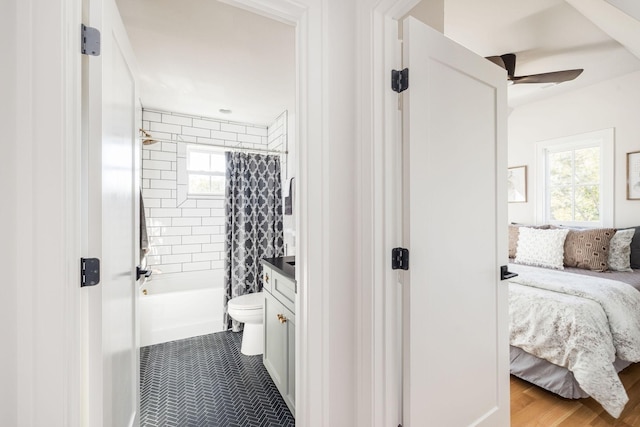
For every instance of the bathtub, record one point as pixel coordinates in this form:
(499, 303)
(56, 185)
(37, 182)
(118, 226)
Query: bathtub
(180, 305)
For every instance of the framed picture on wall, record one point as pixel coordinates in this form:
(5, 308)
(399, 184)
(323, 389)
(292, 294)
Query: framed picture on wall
(633, 175)
(517, 184)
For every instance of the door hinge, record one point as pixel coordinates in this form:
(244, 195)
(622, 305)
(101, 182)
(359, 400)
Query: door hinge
(505, 273)
(89, 41)
(399, 259)
(89, 272)
(140, 272)
(400, 80)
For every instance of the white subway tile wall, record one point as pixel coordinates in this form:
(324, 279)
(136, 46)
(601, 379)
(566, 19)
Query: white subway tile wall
(278, 140)
(189, 236)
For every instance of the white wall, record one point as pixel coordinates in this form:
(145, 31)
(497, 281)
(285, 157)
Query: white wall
(8, 221)
(39, 225)
(611, 104)
(189, 235)
(430, 12)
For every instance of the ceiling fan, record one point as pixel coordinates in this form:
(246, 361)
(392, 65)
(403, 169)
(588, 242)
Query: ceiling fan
(508, 62)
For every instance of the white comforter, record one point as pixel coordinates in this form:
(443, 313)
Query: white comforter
(579, 322)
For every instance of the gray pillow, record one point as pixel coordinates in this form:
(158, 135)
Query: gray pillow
(635, 249)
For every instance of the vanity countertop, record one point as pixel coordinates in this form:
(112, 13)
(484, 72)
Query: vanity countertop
(285, 265)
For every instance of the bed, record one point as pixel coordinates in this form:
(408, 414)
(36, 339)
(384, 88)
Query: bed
(573, 330)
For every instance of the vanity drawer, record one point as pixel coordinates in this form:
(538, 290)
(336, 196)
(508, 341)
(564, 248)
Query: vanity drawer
(284, 289)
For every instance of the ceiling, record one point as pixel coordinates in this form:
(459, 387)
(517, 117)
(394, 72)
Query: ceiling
(200, 56)
(546, 35)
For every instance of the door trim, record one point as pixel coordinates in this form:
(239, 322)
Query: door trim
(380, 216)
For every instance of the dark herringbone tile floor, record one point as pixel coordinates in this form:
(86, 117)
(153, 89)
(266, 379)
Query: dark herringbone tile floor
(206, 382)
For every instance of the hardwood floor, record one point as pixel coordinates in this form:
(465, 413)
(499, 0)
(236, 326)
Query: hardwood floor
(536, 407)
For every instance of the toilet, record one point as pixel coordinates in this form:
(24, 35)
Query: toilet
(248, 309)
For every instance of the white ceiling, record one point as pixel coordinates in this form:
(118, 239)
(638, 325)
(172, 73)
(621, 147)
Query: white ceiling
(198, 56)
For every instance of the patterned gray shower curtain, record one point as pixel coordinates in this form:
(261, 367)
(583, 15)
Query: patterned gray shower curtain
(253, 207)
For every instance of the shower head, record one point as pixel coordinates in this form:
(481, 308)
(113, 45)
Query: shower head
(147, 140)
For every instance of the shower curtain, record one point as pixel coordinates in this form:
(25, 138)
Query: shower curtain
(253, 207)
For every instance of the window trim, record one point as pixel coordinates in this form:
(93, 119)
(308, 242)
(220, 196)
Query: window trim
(605, 140)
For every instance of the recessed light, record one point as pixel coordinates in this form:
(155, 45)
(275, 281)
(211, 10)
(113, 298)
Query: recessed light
(225, 111)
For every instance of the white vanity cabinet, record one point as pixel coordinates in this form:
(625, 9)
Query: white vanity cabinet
(279, 332)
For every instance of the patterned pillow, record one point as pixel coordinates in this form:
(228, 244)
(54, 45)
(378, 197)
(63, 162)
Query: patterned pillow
(588, 249)
(620, 250)
(541, 248)
(513, 236)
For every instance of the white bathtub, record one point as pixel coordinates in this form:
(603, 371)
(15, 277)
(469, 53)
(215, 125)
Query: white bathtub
(180, 305)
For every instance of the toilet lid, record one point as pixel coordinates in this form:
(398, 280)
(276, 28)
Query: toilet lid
(247, 302)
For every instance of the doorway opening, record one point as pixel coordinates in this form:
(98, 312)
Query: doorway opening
(214, 79)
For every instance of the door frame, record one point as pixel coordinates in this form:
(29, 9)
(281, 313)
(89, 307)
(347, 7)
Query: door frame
(380, 292)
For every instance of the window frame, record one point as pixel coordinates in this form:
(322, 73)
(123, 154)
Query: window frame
(191, 147)
(604, 139)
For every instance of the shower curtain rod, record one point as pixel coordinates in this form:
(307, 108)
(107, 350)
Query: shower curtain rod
(230, 148)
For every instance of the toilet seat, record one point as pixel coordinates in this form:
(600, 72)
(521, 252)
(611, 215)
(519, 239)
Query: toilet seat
(253, 301)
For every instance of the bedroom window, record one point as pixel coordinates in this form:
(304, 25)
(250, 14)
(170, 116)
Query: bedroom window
(205, 171)
(577, 180)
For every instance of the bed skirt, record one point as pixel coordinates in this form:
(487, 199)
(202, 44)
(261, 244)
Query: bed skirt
(551, 377)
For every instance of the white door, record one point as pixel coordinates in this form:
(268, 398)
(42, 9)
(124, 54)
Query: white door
(456, 367)
(112, 236)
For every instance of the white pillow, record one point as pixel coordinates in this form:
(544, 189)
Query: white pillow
(541, 248)
(620, 250)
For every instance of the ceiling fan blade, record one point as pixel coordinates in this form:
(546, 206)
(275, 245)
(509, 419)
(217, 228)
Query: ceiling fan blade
(509, 60)
(497, 60)
(553, 77)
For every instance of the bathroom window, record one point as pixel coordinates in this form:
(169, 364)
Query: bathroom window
(205, 171)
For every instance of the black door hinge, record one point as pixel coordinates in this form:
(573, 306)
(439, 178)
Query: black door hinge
(140, 272)
(506, 274)
(89, 41)
(89, 272)
(399, 259)
(400, 80)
